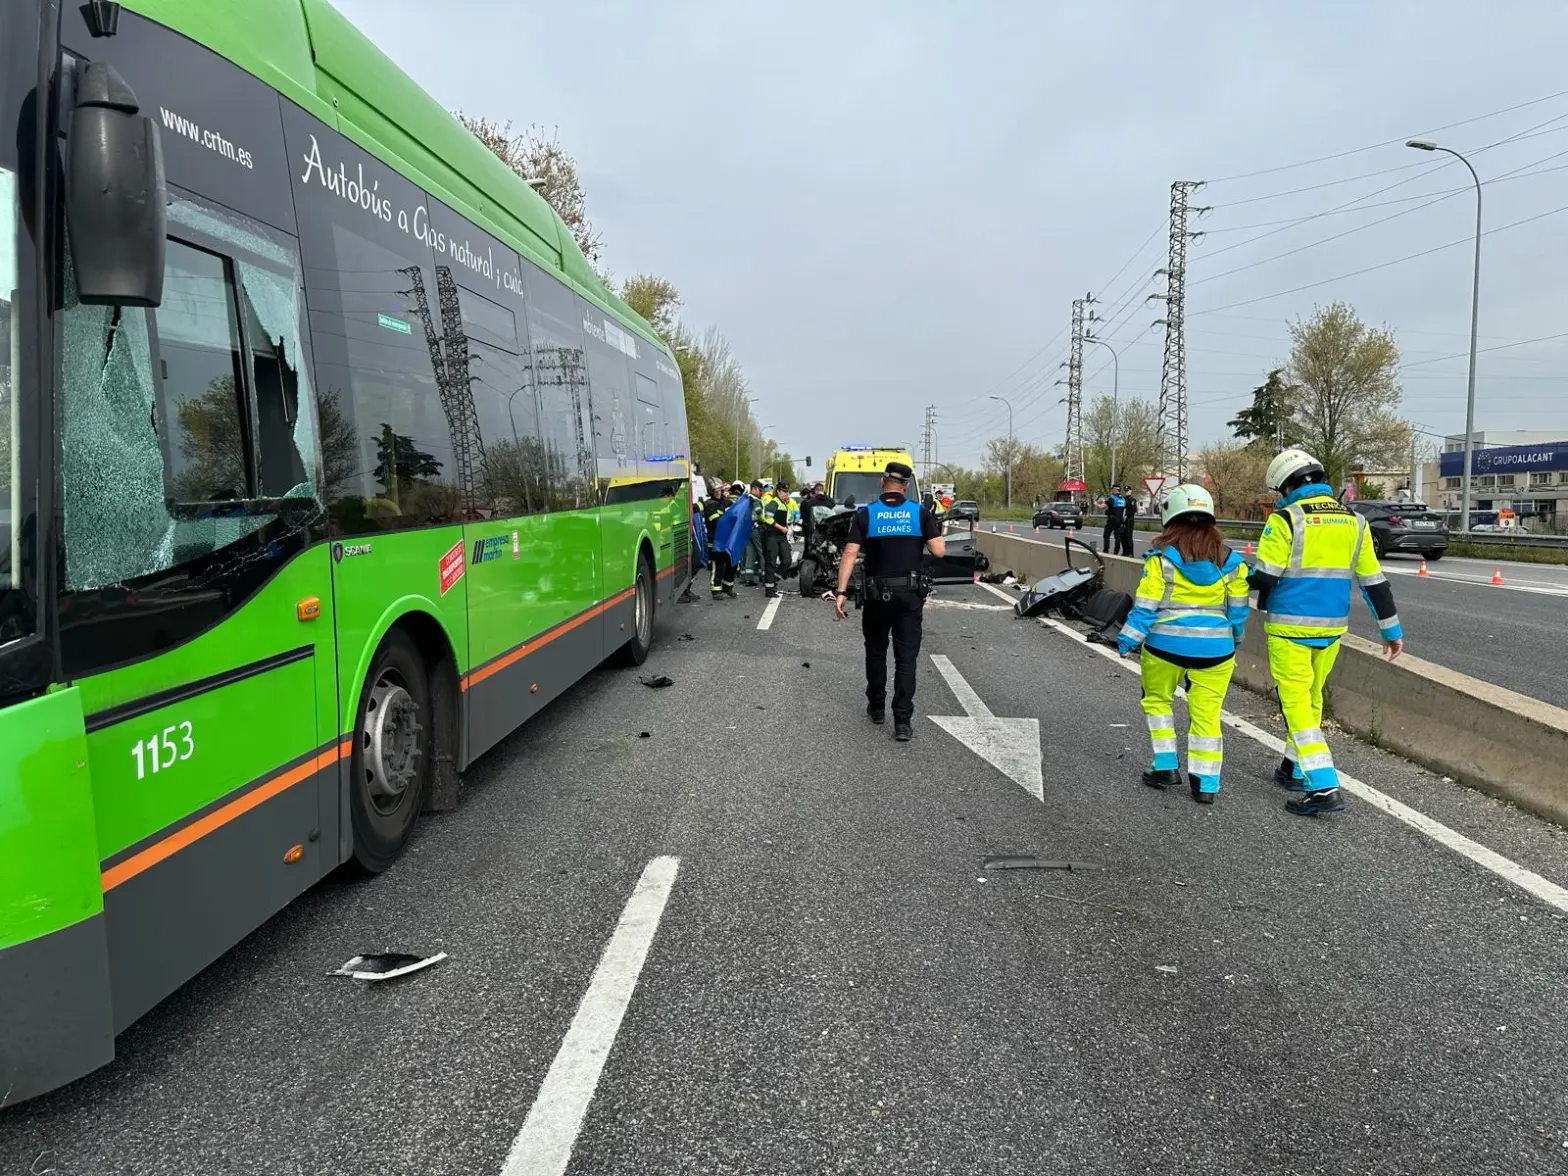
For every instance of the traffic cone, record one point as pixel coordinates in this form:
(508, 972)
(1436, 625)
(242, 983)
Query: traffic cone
(1422, 572)
(1248, 551)
(1497, 576)
(1010, 526)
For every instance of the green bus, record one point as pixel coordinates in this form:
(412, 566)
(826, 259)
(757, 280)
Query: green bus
(326, 459)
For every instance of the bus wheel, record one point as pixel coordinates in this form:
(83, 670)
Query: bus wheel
(635, 651)
(391, 760)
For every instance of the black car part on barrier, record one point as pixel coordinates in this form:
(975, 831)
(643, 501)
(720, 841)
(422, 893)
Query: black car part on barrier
(1065, 590)
(1079, 594)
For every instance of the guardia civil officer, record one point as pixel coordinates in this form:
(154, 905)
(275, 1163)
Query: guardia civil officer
(894, 533)
(1312, 550)
(773, 525)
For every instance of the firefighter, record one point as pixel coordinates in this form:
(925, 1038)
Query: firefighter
(1188, 616)
(721, 581)
(1313, 549)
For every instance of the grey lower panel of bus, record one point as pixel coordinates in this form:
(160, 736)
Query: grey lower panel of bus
(497, 704)
(55, 1019)
(173, 919)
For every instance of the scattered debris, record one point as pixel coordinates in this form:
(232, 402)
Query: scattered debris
(1008, 861)
(387, 965)
(1118, 724)
(657, 681)
(1168, 969)
(645, 734)
(805, 665)
(1181, 884)
(685, 637)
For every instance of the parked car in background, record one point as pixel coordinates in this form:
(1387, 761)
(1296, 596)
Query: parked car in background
(1409, 527)
(1060, 514)
(964, 510)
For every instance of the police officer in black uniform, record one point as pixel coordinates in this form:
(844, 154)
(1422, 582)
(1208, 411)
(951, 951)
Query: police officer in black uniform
(894, 533)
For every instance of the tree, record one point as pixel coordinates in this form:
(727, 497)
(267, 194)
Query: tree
(212, 445)
(1347, 375)
(656, 299)
(1035, 473)
(1134, 423)
(339, 446)
(718, 405)
(533, 156)
(1269, 423)
(1234, 474)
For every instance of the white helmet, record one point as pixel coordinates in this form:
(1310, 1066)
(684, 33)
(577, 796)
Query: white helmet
(1187, 499)
(1289, 464)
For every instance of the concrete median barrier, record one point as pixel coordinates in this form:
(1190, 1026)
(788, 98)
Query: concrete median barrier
(1506, 744)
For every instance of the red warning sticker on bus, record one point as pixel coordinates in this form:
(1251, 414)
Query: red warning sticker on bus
(453, 566)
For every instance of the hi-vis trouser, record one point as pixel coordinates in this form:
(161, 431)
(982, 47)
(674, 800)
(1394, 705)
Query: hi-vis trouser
(1205, 699)
(1299, 673)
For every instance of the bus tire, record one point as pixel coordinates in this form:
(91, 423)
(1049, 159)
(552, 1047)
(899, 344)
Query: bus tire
(390, 764)
(637, 647)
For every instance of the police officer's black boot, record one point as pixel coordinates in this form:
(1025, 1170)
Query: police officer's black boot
(1162, 777)
(876, 714)
(904, 731)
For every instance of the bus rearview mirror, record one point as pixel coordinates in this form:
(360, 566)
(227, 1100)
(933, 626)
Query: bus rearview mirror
(116, 196)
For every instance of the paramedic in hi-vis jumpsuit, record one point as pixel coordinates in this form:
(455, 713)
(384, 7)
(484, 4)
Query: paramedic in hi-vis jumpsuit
(1313, 548)
(1188, 616)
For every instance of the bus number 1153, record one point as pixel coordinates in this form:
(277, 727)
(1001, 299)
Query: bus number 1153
(159, 753)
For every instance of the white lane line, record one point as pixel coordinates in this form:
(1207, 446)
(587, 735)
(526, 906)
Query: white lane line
(1534, 586)
(1547, 892)
(995, 591)
(544, 1145)
(1527, 880)
(770, 612)
(965, 604)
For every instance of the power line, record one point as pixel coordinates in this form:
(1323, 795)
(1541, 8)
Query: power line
(1383, 265)
(1347, 208)
(1388, 142)
(1437, 198)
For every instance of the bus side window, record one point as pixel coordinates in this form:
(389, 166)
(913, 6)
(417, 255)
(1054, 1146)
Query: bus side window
(183, 427)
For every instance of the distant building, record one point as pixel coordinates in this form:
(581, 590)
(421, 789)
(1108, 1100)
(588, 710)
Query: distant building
(1523, 469)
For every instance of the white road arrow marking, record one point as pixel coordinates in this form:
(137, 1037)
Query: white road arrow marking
(1011, 746)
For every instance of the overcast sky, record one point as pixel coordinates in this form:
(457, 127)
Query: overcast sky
(890, 205)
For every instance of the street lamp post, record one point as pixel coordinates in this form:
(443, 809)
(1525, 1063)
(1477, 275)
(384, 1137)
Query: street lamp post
(1009, 404)
(1116, 392)
(1475, 323)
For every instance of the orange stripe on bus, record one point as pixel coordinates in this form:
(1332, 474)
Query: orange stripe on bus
(480, 673)
(196, 830)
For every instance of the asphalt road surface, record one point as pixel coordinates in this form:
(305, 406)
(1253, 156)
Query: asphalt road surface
(1510, 636)
(811, 970)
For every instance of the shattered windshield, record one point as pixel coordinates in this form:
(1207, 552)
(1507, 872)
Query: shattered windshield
(182, 433)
